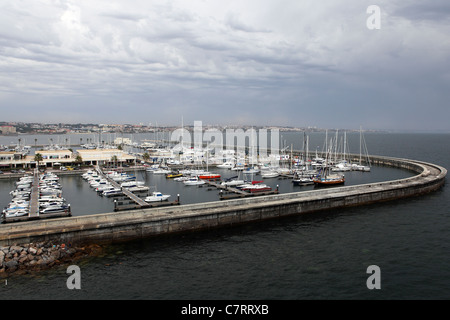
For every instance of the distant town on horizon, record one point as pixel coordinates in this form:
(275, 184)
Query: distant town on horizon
(16, 128)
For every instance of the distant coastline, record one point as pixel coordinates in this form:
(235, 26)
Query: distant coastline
(22, 128)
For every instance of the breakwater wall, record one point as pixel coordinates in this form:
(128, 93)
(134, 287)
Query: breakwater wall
(119, 226)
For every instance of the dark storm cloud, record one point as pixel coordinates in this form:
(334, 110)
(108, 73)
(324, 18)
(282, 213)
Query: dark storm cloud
(437, 11)
(280, 62)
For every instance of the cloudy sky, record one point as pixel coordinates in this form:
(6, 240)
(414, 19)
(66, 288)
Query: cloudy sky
(271, 62)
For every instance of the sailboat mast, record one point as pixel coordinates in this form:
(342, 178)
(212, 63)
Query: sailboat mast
(360, 141)
(306, 155)
(345, 143)
(336, 146)
(304, 147)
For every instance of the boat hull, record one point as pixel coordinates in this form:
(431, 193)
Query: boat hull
(328, 181)
(209, 177)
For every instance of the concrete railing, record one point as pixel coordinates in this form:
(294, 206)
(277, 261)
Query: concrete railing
(126, 225)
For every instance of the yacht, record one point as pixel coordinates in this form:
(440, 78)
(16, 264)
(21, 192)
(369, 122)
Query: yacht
(15, 213)
(111, 192)
(238, 167)
(161, 171)
(233, 181)
(255, 186)
(131, 184)
(329, 180)
(138, 189)
(302, 181)
(209, 176)
(359, 167)
(226, 165)
(55, 209)
(270, 174)
(156, 197)
(342, 167)
(194, 181)
(104, 188)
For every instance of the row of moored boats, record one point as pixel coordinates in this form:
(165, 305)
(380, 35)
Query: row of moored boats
(104, 187)
(50, 198)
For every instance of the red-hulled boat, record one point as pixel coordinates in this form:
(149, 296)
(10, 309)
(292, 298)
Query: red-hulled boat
(209, 176)
(256, 186)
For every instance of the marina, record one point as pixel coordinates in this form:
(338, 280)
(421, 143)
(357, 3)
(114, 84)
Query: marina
(112, 227)
(224, 151)
(86, 201)
(37, 196)
(188, 179)
(90, 204)
(130, 194)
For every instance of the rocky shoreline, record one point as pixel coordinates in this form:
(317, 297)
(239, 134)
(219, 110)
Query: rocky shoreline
(38, 256)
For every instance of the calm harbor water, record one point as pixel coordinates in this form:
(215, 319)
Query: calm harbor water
(316, 256)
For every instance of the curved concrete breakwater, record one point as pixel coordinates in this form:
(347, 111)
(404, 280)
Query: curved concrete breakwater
(127, 225)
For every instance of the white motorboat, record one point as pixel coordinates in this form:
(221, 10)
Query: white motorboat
(50, 198)
(152, 168)
(342, 167)
(251, 170)
(20, 202)
(157, 197)
(161, 171)
(55, 209)
(96, 184)
(181, 179)
(87, 174)
(130, 184)
(20, 193)
(358, 167)
(13, 207)
(49, 191)
(194, 181)
(138, 189)
(51, 204)
(302, 181)
(270, 174)
(15, 213)
(255, 186)
(233, 181)
(112, 192)
(226, 165)
(104, 188)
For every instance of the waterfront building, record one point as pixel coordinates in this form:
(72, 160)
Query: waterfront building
(6, 156)
(51, 156)
(12, 159)
(64, 157)
(105, 156)
(126, 141)
(8, 130)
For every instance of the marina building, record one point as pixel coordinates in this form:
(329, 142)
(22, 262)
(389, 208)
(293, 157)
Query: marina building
(12, 159)
(8, 130)
(126, 141)
(104, 156)
(6, 156)
(52, 156)
(64, 157)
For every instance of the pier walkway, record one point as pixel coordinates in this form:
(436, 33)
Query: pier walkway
(34, 199)
(125, 191)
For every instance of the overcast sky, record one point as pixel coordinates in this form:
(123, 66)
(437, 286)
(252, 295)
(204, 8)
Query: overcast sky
(270, 62)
